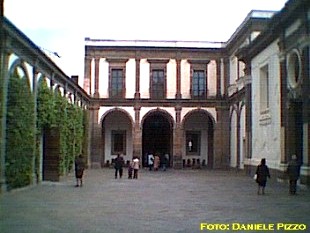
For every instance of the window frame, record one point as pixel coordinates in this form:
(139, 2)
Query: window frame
(124, 135)
(195, 137)
(264, 86)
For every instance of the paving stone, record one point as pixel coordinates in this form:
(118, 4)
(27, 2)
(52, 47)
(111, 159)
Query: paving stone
(171, 201)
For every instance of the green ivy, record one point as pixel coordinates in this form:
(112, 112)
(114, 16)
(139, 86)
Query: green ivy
(55, 111)
(20, 133)
(24, 134)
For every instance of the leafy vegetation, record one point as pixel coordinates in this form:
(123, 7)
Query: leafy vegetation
(24, 130)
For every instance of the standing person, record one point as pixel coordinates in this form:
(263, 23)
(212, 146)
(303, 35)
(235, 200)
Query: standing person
(79, 170)
(293, 171)
(262, 173)
(165, 161)
(150, 161)
(136, 166)
(130, 170)
(156, 162)
(118, 165)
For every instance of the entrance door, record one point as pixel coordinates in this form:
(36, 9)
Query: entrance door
(156, 136)
(51, 151)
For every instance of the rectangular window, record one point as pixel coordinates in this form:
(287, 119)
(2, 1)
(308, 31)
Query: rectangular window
(117, 77)
(264, 89)
(192, 142)
(158, 84)
(118, 142)
(199, 84)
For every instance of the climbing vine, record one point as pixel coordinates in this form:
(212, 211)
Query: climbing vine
(20, 133)
(54, 111)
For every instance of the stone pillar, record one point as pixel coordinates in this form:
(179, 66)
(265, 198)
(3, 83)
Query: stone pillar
(305, 169)
(218, 78)
(178, 94)
(226, 75)
(137, 93)
(87, 74)
(137, 135)
(97, 62)
(221, 138)
(4, 64)
(177, 140)
(96, 142)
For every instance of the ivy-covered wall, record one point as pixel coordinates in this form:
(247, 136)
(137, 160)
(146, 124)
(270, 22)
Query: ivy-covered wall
(23, 153)
(20, 133)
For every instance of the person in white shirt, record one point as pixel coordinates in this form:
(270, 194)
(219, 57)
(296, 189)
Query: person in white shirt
(136, 166)
(150, 161)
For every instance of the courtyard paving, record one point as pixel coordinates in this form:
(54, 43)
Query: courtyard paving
(171, 201)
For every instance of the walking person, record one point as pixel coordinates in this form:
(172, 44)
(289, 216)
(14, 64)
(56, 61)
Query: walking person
(136, 166)
(293, 171)
(262, 173)
(118, 165)
(79, 170)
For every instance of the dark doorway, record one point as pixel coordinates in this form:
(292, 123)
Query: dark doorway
(296, 129)
(156, 136)
(51, 152)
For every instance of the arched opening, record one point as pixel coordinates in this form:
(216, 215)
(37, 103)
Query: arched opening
(198, 139)
(116, 136)
(156, 136)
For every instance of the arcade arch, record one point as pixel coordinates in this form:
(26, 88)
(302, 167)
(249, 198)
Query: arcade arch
(198, 138)
(157, 135)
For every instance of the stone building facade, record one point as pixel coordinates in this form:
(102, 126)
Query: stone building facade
(213, 104)
(278, 64)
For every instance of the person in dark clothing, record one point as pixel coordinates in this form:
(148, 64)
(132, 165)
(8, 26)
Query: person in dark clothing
(262, 173)
(118, 165)
(79, 170)
(293, 171)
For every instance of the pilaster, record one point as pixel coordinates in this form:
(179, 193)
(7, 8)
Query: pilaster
(221, 138)
(178, 94)
(177, 140)
(137, 134)
(137, 93)
(97, 62)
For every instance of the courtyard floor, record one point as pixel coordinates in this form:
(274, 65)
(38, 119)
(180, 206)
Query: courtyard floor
(170, 201)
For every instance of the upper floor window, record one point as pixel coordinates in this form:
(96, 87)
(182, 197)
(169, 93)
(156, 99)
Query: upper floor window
(158, 84)
(199, 84)
(117, 83)
(264, 89)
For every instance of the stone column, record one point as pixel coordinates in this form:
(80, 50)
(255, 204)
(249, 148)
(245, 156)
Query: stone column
(137, 134)
(97, 62)
(221, 137)
(87, 74)
(137, 93)
(177, 140)
(178, 94)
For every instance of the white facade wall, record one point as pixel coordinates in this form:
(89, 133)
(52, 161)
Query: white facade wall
(130, 82)
(266, 124)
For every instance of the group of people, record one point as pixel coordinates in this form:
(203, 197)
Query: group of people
(261, 174)
(154, 162)
(133, 167)
(292, 171)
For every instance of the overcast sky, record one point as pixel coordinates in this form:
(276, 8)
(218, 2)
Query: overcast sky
(61, 25)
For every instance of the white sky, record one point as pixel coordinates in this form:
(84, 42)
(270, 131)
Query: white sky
(61, 25)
